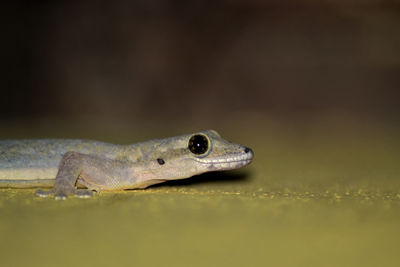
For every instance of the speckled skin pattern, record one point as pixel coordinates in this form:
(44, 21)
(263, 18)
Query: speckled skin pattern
(68, 165)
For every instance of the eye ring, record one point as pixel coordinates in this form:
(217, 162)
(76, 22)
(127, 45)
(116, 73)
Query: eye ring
(198, 144)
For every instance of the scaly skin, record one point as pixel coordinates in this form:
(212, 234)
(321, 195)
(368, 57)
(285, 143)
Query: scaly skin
(69, 165)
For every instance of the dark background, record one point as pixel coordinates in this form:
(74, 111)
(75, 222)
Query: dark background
(201, 60)
(312, 86)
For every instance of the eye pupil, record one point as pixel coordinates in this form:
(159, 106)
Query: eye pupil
(198, 144)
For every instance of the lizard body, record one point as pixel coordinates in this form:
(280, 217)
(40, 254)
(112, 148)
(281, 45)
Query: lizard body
(69, 165)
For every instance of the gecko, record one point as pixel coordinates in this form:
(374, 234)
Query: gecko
(75, 167)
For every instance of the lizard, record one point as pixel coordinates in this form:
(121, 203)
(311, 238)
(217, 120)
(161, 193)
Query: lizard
(81, 167)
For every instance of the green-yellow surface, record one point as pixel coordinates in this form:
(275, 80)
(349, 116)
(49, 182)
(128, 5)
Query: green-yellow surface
(320, 194)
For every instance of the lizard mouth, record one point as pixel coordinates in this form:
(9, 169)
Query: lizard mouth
(227, 162)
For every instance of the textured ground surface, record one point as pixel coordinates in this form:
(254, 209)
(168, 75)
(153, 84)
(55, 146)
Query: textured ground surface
(320, 194)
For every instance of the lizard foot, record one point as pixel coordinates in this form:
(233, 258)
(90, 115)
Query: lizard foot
(60, 195)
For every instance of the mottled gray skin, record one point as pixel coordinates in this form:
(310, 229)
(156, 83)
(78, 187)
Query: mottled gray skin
(79, 167)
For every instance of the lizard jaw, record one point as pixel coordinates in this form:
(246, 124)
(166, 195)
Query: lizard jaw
(227, 163)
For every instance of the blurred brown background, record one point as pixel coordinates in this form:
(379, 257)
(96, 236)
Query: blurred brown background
(312, 86)
(202, 60)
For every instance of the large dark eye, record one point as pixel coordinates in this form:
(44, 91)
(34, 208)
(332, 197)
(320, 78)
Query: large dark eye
(198, 144)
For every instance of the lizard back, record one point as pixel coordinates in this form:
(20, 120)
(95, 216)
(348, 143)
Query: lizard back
(39, 158)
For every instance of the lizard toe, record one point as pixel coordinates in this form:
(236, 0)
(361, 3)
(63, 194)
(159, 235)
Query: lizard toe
(60, 196)
(42, 193)
(83, 193)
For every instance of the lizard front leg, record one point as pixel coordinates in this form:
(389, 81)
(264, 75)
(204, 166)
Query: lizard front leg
(71, 166)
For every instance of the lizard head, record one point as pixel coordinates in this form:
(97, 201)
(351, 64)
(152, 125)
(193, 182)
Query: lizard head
(187, 155)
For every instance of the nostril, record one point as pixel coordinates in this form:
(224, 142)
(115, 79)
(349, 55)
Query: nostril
(247, 150)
